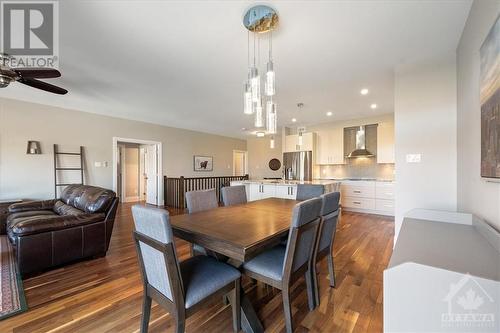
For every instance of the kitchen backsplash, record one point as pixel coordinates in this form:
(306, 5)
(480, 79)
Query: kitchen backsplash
(359, 168)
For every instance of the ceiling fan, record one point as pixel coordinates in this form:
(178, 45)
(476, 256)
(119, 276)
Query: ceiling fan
(29, 76)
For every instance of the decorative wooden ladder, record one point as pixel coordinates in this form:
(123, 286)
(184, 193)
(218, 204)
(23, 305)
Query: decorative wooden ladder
(58, 168)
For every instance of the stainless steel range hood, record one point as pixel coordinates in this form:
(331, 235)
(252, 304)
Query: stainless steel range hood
(360, 150)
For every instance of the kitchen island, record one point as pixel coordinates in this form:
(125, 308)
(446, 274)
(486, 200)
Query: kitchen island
(286, 189)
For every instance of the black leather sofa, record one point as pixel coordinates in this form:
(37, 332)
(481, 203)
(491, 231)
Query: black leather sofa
(51, 233)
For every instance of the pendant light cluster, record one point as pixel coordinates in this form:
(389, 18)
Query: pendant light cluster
(260, 20)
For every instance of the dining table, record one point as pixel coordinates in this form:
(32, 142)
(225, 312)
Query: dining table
(239, 232)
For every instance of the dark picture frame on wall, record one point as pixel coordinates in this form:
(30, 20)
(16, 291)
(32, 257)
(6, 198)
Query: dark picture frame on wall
(203, 163)
(489, 96)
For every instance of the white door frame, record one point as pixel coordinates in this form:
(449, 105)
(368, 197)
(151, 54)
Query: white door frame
(246, 160)
(159, 161)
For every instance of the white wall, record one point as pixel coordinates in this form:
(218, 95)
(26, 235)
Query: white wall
(475, 194)
(32, 176)
(425, 123)
(259, 155)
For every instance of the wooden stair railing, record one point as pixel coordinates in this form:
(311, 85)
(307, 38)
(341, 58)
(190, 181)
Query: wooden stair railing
(175, 188)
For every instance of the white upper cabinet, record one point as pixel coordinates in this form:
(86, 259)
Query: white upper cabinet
(385, 142)
(330, 146)
(292, 142)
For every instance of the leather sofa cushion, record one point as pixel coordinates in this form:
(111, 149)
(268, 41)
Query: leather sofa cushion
(32, 206)
(27, 225)
(90, 199)
(60, 208)
(30, 214)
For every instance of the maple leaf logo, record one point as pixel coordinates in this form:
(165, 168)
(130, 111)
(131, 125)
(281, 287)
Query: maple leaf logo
(470, 301)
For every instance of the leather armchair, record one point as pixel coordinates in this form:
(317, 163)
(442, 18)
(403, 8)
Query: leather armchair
(50, 233)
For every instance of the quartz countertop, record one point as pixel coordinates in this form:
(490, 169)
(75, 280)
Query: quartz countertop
(360, 179)
(290, 182)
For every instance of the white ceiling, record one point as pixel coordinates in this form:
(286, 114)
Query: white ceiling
(183, 63)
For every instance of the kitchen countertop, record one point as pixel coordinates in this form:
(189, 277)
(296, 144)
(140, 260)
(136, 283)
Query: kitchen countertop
(290, 182)
(360, 179)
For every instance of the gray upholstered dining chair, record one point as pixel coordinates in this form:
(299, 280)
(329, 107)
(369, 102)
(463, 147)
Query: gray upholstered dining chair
(198, 201)
(182, 288)
(326, 236)
(282, 265)
(308, 191)
(234, 195)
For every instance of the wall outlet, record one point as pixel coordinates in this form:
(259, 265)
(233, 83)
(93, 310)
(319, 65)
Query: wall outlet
(413, 158)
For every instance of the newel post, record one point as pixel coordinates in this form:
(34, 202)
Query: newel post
(182, 199)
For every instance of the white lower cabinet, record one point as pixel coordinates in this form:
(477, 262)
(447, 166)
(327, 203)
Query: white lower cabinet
(286, 191)
(368, 196)
(261, 191)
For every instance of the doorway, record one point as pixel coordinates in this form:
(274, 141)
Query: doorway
(240, 163)
(137, 166)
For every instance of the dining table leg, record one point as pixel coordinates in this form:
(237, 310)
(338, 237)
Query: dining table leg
(250, 323)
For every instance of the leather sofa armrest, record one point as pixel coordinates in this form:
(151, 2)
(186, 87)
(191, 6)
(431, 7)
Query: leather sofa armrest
(32, 205)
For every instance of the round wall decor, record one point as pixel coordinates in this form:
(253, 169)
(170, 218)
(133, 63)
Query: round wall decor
(274, 164)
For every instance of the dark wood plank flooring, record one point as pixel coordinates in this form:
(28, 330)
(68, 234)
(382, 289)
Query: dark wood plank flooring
(104, 295)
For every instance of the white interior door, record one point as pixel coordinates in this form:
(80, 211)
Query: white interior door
(151, 171)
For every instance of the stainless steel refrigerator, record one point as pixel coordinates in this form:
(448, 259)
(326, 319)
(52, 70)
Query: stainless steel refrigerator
(298, 165)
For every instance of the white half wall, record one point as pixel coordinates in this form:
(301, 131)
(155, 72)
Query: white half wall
(475, 194)
(425, 124)
(32, 176)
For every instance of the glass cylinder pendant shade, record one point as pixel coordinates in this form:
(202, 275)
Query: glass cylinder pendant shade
(259, 121)
(301, 141)
(247, 99)
(255, 84)
(271, 117)
(271, 143)
(270, 87)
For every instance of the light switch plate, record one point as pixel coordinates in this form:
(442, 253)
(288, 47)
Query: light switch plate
(413, 158)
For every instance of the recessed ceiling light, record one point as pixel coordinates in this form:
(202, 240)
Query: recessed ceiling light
(373, 106)
(243, 128)
(260, 134)
(329, 113)
(364, 91)
(294, 120)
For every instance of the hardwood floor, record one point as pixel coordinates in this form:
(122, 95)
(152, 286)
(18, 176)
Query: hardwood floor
(105, 294)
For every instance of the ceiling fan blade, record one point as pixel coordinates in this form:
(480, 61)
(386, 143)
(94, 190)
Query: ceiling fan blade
(43, 85)
(38, 73)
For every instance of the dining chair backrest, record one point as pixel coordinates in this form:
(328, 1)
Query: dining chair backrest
(234, 195)
(156, 250)
(302, 235)
(198, 201)
(309, 191)
(329, 217)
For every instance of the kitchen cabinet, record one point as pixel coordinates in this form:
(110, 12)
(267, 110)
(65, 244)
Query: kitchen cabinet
(368, 197)
(385, 142)
(261, 191)
(286, 191)
(292, 142)
(330, 147)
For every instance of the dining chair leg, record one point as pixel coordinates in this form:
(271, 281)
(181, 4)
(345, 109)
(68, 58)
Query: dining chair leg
(146, 312)
(235, 306)
(314, 275)
(331, 271)
(287, 309)
(311, 301)
(180, 323)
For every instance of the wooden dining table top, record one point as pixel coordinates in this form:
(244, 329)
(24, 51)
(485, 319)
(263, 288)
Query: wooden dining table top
(240, 231)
